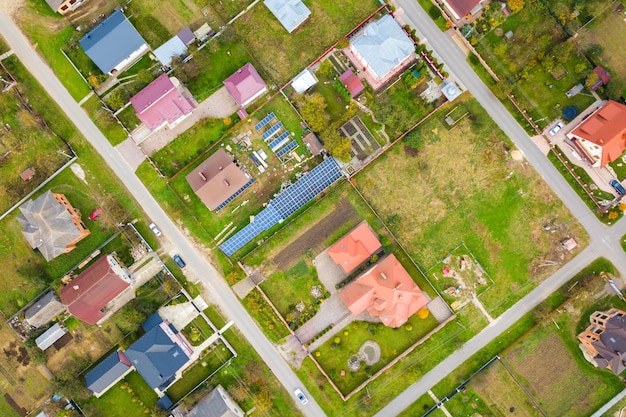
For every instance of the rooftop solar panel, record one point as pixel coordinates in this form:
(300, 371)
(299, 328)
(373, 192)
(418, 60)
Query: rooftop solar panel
(265, 121)
(286, 203)
(271, 131)
(287, 148)
(280, 141)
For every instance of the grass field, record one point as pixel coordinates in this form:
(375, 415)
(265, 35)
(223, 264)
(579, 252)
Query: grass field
(105, 121)
(497, 206)
(281, 54)
(122, 402)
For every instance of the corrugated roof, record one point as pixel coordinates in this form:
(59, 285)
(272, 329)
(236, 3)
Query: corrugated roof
(245, 84)
(303, 81)
(216, 404)
(352, 82)
(112, 41)
(290, 13)
(44, 310)
(186, 35)
(50, 336)
(173, 48)
(107, 372)
(92, 290)
(216, 179)
(383, 45)
(462, 7)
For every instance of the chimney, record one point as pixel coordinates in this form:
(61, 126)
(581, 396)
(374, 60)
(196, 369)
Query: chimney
(76, 287)
(202, 176)
(382, 274)
(221, 168)
(227, 183)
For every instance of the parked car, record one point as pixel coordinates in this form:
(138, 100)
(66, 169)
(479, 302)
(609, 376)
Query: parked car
(617, 186)
(300, 396)
(96, 213)
(556, 128)
(179, 261)
(155, 229)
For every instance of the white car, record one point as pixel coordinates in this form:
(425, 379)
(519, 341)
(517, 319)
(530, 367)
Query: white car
(300, 396)
(155, 229)
(556, 128)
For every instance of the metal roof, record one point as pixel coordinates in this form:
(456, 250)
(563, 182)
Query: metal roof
(50, 336)
(304, 81)
(174, 48)
(107, 372)
(290, 13)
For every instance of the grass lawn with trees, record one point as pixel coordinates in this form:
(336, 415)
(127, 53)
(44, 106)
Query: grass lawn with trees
(280, 54)
(431, 209)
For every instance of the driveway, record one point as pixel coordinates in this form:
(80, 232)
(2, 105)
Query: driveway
(132, 154)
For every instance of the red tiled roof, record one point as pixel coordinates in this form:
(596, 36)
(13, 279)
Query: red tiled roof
(93, 289)
(244, 84)
(606, 128)
(352, 82)
(354, 248)
(160, 102)
(604, 75)
(462, 7)
(386, 291)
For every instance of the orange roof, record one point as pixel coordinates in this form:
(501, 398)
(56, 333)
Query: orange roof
(606, 128)
(386, 291)
(354, 248)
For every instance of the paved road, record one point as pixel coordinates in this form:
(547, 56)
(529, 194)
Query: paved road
(604, 241)
(213, 282)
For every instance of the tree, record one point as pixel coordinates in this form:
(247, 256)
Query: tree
(116, 99)
(591, 80)
(580, 68)
(66, 382)
(343, 43)
(563, 51)
(326, 69)
(338, 145)
(144, 76)
(516, 5)
(128, 318)
(502, 89)
(263, 400)
(313, 110)
(423, 313)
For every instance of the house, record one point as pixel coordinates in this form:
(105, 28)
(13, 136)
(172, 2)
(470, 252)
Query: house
(64, 6)
(114, 44)
(601, 138)
(42, 311)
(47, 338)
(303, 81)
(458, 9)
(290, 13)
(382, 50)
(245, 85)
(218, 180)
(603, 342)
(107, 373)
(352, 82)
(51, 225)
(160, 356)
(603, 77)
(163, 102)
(352, 250)
(217, 404)
(386, 291)
(95, 294)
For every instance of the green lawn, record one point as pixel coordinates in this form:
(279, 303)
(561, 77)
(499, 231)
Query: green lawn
(333, 357)
(280, 54)
(434, 13)
(229, 9)
(201, 333)
(105, 121)
(123, 402)
(433, 212)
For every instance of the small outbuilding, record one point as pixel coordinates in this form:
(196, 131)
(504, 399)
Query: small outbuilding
(303, 81)
(50, 336)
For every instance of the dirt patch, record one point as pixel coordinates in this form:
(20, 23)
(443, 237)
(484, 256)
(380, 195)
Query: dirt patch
(19, 410)
(93, 344)
(315, 236)
(10, 7)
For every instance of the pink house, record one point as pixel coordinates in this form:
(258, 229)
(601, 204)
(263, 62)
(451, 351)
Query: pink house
(162, 103)
(245, 85)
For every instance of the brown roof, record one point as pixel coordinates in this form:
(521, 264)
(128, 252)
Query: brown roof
(216, 179)
(606, 128)
(92, 290)
(386, 291)
(312, 142)
(354, 248)
(462, 7)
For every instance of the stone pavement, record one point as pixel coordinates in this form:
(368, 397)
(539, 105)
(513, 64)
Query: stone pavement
(132, 154)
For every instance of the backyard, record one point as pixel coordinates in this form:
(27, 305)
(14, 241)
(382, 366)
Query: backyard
(279, 53)
(420, 204)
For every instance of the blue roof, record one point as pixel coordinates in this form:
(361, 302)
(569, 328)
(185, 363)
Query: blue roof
(107, 372)
(165, 402)
(290, 13)
(152, 321)
(157, 357)
(111, 42)
(173, 48)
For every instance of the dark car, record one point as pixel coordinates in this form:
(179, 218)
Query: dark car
(179, 261)
(618, 187)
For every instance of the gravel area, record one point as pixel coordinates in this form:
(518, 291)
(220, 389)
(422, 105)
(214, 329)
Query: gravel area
(10, 7)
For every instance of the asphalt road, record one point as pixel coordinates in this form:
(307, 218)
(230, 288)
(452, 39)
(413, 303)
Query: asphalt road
(604, 241)
(211, 279)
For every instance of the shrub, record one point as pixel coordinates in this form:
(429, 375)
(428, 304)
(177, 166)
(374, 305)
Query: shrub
(408, 327)
(423, 313)
(337, 340)
(318, 354)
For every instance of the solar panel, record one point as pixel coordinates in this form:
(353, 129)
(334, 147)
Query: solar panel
(265, 121)
(285, 204)
(232, 197)
(280, 141)
(287, 148)
(271, 131)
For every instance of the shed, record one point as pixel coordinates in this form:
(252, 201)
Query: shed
(303, 81)
(174, 48)
(42, 311)
(28, 174)
(50, 336)
(313, 144)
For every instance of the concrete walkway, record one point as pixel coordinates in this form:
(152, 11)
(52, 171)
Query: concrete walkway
(332, 311)
(606, 407)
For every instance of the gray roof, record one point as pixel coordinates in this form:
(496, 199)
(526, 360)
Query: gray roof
(157, 357)
(47, 225)
(290, 13)
(612, 345)
(54, 4)
(50, 336)
(383, 44)
(44, 310)
(216, 404)
(112, 41)
(173, 48)
(107, 372)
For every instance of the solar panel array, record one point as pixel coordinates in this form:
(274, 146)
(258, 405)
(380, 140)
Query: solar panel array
(271, 131)
(265, 121)
(232, 197)
(287, 148)
(280, 141)
(285, 204)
